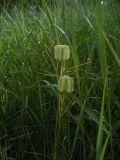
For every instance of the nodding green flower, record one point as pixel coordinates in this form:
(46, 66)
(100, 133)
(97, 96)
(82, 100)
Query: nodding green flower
(62, 52)
(66, 84)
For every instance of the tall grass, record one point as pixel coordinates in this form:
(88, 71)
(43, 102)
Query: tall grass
(29, 73)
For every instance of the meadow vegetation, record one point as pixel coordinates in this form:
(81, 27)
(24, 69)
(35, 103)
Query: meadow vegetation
(29, 100)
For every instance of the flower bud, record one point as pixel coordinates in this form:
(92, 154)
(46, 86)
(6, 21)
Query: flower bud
(62, 52)
(66, 84)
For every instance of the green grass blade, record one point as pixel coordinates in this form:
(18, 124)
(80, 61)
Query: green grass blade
(100, 130)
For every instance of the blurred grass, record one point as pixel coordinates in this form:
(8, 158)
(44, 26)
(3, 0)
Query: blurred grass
(28, 95)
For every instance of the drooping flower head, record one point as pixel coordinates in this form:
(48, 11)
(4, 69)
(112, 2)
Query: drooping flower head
(62, 52)
(66, 84)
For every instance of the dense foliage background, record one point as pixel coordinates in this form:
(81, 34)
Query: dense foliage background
(8, 3)
(29, 100)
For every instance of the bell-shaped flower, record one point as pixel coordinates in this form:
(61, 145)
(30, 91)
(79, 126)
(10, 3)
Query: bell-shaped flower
(66, 84)
(62, 52)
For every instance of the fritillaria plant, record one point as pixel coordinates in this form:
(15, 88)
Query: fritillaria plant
(65, 85)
